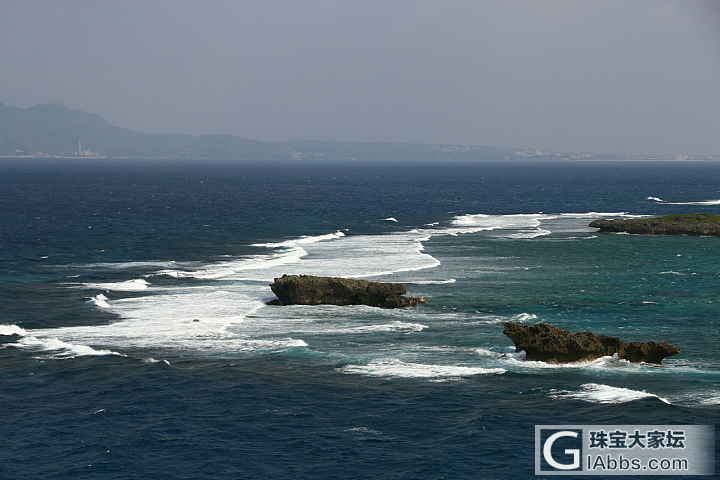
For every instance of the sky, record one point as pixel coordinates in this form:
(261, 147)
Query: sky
(625, 77)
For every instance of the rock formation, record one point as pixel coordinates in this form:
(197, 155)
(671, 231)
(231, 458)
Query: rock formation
(547, 343)
(309, 290)
(698, 224)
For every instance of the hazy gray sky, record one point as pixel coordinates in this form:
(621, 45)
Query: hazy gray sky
(635, 76)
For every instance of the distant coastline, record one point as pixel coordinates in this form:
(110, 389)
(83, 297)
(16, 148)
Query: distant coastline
(55, 131)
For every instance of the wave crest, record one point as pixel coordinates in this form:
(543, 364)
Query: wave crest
(605, 394)
(12, 330)
(400, 369)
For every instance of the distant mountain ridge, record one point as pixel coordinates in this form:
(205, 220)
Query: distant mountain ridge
(53, 130)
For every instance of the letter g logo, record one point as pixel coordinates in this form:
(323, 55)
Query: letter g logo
(547, 451)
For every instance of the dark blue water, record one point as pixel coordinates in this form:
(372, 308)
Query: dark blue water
(104, 264)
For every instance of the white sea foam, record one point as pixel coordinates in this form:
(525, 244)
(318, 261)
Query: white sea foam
(126, 265)
(347, 256)
(400, 369)
(527, 226)
(230, 269)
(167, 321)
(485, 352)
(135, 285)
(595, 214)
(508, 358)
(396, 326)
(390, 219)
(516, 360)
(500, 352)
(701, 202)
(60, 348)
(670, 272)
(538, 232)
(100, 300)
(355, 257)
(303, 240)
(432, 282)
(705, 202)
(371, 431)
(606, 394)
(12, 330)
(496, 319)
(481, 222)
(524, 317)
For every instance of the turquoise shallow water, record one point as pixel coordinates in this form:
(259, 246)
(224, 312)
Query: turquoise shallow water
(106, 265)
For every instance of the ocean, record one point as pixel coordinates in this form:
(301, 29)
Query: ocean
(105, 264)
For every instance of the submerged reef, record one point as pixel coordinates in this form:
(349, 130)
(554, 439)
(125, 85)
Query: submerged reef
(698, 224)
(551, 344)
(310, 290)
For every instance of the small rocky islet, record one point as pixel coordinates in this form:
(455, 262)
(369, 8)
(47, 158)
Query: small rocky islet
(547, 343)
(312, 290)
(691, 224)
(541, 342)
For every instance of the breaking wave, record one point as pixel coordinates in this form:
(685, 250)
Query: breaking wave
(496, 319)
(605, 394)
(400, 369)
(135, 285)
(396, 326)
(58, 348)
(12, 330)
(100, 300)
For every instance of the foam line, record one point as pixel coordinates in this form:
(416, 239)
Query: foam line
(605, 394)
(302, 240)
(400, 369)
(135, 285)
(432, 282)
(62, 349)
(396, 326)
(538, 232)
(701, 202)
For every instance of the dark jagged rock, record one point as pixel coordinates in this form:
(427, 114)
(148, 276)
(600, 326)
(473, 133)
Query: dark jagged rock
(309, 290)
(398, 301)
(697, 224)
(648, 352)
(551, 344)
